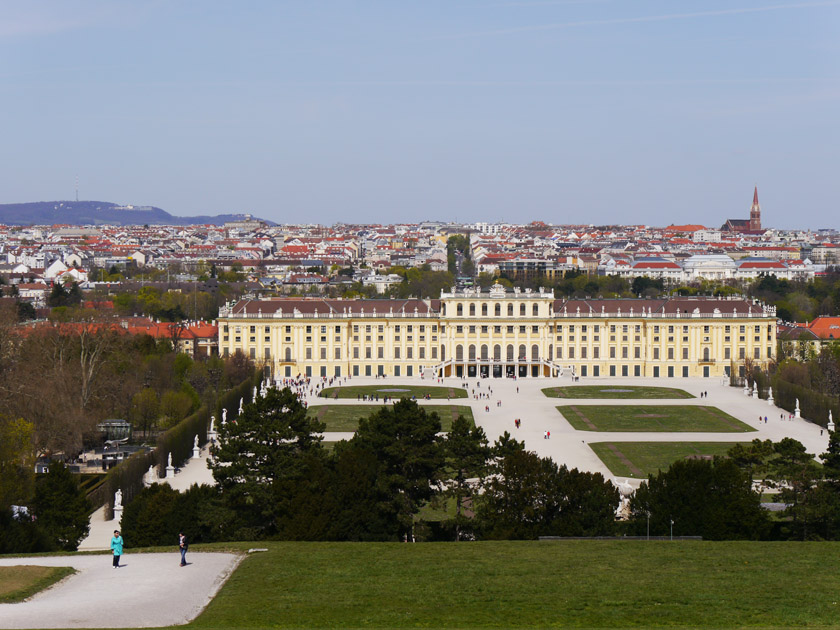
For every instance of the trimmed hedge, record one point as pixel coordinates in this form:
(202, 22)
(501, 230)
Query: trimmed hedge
(179, 439)
(813, 406)
(230, 399)
(128, 475)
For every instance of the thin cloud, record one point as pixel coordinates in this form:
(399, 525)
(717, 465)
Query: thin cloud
(646, 18)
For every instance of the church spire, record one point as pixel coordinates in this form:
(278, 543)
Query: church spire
(755, 213)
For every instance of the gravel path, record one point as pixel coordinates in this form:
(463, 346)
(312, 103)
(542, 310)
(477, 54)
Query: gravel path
(150, 590)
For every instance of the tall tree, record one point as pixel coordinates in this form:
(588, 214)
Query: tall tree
(403, 440)
(263, 447)
(61, 507)
(712, 499)
(527, 496)
(466, 453)
(16, 455)
(799, 474)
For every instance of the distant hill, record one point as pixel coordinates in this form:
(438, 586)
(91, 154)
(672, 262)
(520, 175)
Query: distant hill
(99, 213)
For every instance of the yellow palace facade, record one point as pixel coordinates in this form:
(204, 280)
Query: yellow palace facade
(499, 333)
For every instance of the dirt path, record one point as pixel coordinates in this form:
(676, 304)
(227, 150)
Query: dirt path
(717, 413)
(586, 420)
(623, 458)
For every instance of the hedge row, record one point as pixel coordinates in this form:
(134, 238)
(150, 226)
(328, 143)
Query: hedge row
(813, 407)
(179, 440)
(127, 476)
(244, 392)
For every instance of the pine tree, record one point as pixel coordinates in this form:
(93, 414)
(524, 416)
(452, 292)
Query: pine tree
(61, 507)
(404, 441)
(258, 451)
(466, 451)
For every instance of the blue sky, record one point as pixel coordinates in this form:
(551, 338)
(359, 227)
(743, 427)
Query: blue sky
(576, 111)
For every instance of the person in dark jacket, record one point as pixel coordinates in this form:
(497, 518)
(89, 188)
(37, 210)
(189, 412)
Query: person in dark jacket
(182, 544)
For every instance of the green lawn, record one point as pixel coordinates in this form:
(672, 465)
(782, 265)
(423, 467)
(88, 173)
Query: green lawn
(639, 459)
(614, 391)
(570, 584)
(346, 417)
(18, 583)
(394, 391)
(656, 418)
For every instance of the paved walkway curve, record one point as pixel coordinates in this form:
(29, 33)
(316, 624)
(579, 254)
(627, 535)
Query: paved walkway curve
(151, 590)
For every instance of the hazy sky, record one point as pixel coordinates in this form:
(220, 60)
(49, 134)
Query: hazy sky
(566, 111)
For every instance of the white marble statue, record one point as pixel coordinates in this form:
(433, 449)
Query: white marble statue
(118, 498)
(224, 416)
(169, 461)
(241, 405)
(195, 441)
(254, 397)
(212, 424)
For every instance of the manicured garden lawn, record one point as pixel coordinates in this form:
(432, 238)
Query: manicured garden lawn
(394, 391)
(18, 583)
(346, 417)
(683, 418)
(552, 584)
(639, 459)
(614, 391)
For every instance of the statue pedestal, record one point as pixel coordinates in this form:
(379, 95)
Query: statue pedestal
(196, 452)
(770, 401)
(170, 472)
(211, 437)
(118, 510)
(747, 391)
(796, 415)
(830, 427)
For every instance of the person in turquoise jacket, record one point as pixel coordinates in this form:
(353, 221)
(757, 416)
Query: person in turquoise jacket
(116, 547)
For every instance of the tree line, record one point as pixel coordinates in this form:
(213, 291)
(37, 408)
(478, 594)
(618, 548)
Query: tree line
(275, 479)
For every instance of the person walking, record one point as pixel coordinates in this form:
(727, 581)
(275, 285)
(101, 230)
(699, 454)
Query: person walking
(117, 547)
(182, 545)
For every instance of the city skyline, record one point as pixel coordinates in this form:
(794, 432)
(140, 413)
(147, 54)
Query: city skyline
(582, 112)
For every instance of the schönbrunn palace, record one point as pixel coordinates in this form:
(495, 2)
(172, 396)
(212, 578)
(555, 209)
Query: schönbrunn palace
(499, 333)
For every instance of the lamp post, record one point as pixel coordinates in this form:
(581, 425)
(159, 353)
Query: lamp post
(672, 529)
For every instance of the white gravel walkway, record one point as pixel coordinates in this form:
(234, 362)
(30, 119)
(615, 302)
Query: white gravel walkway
(150, 590)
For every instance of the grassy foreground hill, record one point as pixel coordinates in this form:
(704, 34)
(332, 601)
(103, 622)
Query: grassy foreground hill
(579, 584)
